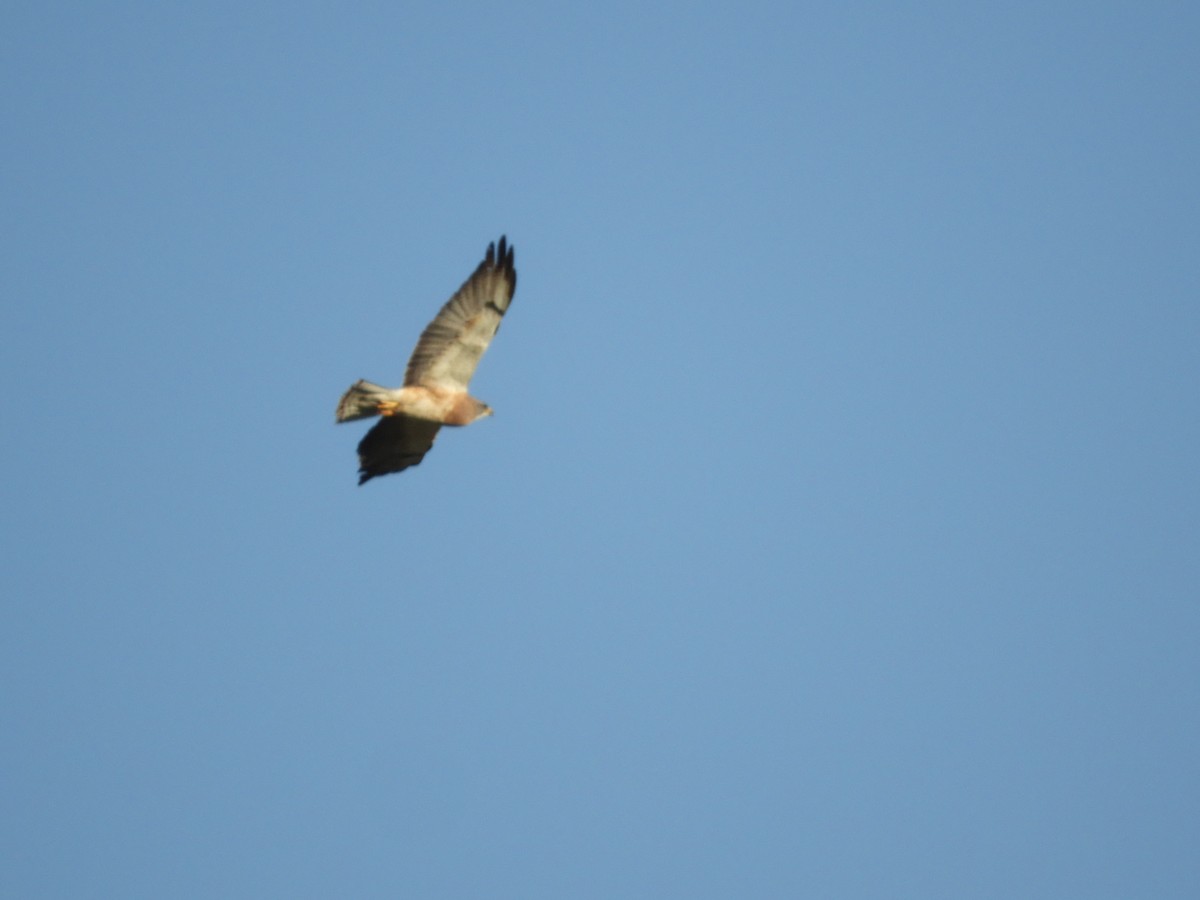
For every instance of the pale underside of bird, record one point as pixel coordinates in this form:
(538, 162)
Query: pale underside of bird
(434, 392)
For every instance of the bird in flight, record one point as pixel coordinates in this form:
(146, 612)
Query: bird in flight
(434, 392)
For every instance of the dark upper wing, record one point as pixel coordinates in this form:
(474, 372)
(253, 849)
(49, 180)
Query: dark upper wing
(394, 444)
(452, 344)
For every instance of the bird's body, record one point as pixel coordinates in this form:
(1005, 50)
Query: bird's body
(365, 400)
(434, 392)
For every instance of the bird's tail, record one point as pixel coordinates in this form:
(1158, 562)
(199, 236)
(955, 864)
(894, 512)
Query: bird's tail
(361, 401)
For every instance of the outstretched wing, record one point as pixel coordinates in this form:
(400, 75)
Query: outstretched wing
(394, 444)
(452, 344)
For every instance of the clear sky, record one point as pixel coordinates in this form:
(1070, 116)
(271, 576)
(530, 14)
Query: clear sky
(838, 531)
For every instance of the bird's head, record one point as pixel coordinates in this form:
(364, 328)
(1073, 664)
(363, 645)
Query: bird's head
(467, 410)
(480, 411)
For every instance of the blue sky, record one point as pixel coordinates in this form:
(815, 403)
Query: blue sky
(838, 531)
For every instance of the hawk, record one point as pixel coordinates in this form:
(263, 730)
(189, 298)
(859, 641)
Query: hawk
(434, 392)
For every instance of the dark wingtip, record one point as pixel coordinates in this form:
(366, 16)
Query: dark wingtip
(505, 260)
(502, 260)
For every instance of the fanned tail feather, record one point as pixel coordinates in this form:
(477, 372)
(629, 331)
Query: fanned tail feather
(361, 401)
